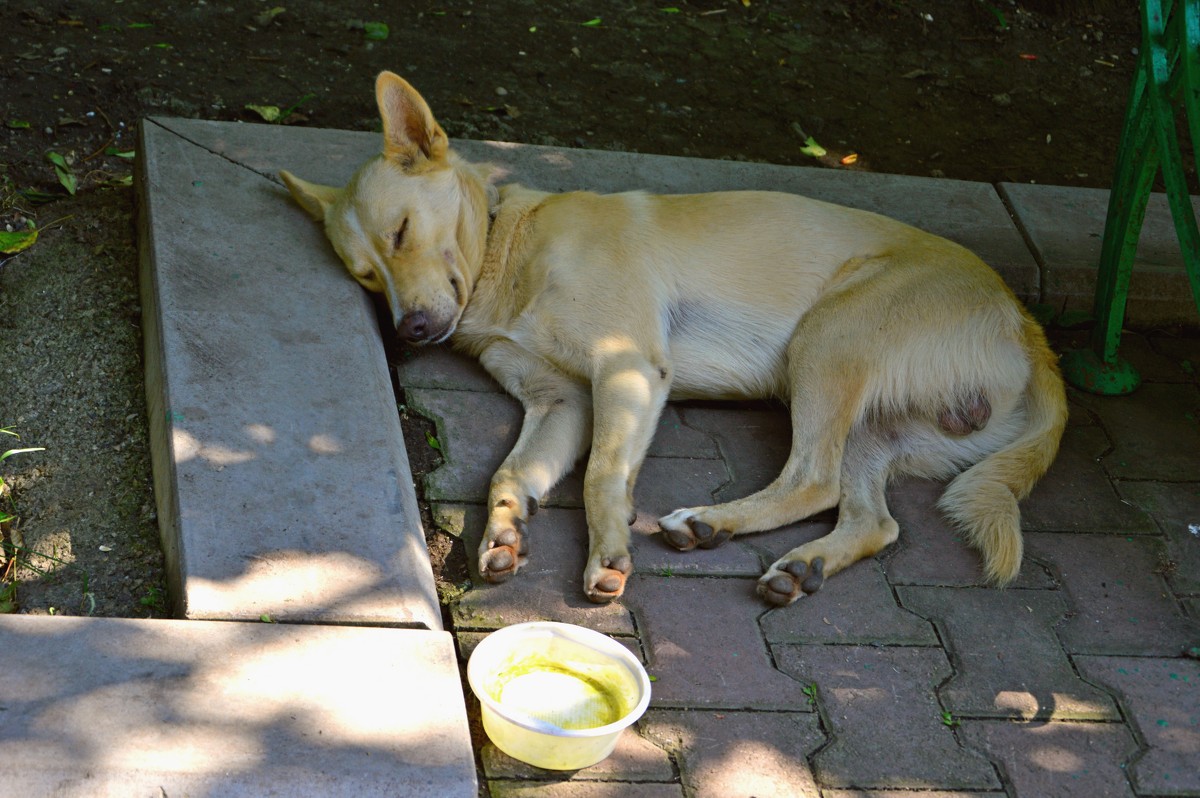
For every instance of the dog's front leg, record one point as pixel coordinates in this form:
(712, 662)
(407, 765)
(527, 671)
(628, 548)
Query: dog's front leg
(628, 394)
(554, 434)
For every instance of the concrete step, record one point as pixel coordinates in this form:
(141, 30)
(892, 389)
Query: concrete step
(280, 473)
(118, 707)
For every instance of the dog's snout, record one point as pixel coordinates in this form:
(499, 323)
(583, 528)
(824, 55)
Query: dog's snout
(414, 326)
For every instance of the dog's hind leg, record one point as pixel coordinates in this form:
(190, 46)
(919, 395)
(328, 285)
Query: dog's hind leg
(829, 380)
(554, 434)
(864, 526)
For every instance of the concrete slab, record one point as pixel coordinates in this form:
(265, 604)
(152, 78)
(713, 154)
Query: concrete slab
(111, 707)
(971, 214)
(1065, 226)
(281, 478)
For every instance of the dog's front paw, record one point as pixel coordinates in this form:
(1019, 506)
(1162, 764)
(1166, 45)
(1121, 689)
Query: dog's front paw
(606, 581)
(503, 552)
(784, 582)
(684, 531)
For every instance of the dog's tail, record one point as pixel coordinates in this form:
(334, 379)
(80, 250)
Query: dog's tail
(982, 501)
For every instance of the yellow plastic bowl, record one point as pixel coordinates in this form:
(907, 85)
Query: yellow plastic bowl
(554, 695)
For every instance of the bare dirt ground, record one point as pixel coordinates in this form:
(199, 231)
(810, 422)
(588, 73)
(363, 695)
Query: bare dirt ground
(969, 89)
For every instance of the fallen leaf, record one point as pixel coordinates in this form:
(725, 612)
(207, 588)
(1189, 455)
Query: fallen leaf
(376, 31)
(269, 113)
(432, 441)
(18, 124)
(849, 159)
(17, 240)
(591, 23)
(268, 16)
(811, 147)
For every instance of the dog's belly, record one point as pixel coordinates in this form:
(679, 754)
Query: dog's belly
(720, 360)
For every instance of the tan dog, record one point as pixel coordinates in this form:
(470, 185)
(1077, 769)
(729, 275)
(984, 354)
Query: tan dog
(898, 351)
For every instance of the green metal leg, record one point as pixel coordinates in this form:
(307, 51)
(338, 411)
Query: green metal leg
(1098, 368)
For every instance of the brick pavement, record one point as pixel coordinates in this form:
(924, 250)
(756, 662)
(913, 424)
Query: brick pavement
(904, 675)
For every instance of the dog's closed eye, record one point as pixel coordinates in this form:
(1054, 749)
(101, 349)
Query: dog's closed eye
(398, 236)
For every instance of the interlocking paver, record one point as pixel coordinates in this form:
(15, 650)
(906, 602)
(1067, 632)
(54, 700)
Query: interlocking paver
(886, 723)
(1183, 354)
(703, 644)
(1154, 431)
(1162, 696)
(634, 759)
(1176, 507)
(930, 551)
(582, 789)
(740, 754)
(1064, 760)
(754, 441)
(855, 606)
(1008, 662)
(907, 793)
(547, 588)
(1075, 494)
(1120, 603)
(440, 367)
(476, 431)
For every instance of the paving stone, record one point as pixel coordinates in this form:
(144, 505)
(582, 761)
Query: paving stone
(930, 551)
(108, 707)
(878, 700)
(1183, 353)
(673, 437)
(1065, 227)
(1192, 608)
(1065, 760)
(739, 754)
(1118, 598)
(635, 759)
(906, 794)
(703, 645)
(854, 606)
(754, 440)
(1007, 661)
(1176, 507)
(666, 484)
(548, 588)
(441, 368)
(582, 789)
(1162, 697)
(1154, 432)
(476, 431)
(1075, 495)
(280, 471)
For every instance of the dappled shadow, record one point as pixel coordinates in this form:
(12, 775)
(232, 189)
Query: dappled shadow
(220, 709)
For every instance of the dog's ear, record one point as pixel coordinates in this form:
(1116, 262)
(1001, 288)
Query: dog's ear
(313, 198)
(409, 129)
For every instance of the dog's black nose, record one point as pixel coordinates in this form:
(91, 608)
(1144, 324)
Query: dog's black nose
(414, 326)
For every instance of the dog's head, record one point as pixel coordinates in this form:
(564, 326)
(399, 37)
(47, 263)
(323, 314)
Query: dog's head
(399, 224)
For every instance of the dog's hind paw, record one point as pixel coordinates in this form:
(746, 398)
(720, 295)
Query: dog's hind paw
(782, 586)
(608, 581)
(687, 532)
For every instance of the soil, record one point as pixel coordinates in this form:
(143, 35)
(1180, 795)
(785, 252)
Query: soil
(969, 89)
